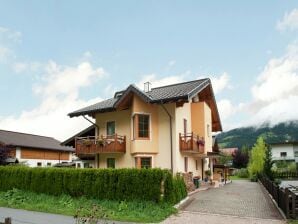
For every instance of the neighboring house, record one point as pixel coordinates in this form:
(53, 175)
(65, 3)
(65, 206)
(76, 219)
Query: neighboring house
(287, 151)
(35, 150)
(229, 151)
(168, 127)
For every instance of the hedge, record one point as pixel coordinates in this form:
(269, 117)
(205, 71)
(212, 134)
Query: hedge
(111, 184)
(175, 189)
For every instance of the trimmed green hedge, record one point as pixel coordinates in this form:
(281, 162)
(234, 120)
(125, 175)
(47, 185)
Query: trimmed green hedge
(111, 184)
(175, 189)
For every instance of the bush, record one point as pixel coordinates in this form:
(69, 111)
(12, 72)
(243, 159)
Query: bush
(254, 178)
(174, 189)
(111, 184)
(243, 173)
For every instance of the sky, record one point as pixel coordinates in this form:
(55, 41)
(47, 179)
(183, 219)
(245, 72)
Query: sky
(59, 56)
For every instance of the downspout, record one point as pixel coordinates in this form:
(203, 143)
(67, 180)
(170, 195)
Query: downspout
(171, 134)
(97, 128)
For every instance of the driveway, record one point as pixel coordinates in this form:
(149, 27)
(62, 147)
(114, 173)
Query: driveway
(238, 202)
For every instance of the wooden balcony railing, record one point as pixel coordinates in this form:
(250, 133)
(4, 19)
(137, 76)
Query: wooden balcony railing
(102, 144)
(192, 143)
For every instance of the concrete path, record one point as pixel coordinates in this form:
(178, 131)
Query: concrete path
(19, 216)
(239, 202)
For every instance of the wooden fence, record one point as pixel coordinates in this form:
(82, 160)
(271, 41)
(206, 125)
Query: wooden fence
(6, 221)
(286, 199)
(286, 175)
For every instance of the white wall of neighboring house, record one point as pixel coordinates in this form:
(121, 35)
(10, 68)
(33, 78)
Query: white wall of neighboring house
(278, 150)
(296, 152)
(34, 162)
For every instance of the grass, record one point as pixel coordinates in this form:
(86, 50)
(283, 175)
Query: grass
(134, 211)
(238, 178)
(292, 221)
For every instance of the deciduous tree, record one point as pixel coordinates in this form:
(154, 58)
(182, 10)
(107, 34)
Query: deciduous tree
(257, 158)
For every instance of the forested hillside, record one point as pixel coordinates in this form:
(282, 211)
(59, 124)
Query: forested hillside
(248, 135)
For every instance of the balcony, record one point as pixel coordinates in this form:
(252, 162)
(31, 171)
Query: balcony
(191, 143)
(104, 144)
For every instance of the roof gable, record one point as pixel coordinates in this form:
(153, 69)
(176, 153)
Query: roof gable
(18, 139)
(165, 94)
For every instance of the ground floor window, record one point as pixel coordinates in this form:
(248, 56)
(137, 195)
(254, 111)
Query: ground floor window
(197, 164)
(110, 162)
(86, 165)
(143, 162)
(49, 164)
(39, 164)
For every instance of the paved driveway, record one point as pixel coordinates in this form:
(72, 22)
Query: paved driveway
(238, 202)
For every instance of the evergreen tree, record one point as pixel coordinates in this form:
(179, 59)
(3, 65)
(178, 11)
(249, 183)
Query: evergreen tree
(268, 163)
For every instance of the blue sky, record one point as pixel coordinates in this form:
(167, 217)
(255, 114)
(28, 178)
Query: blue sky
(244, 47)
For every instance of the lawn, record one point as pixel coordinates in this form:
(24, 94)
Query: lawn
(135, 211)
(238, 178)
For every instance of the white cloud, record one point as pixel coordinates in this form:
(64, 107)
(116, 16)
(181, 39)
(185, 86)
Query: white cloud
(289, 21)
(59, 93)
(5, 53)
(10, 35)
(8, 38)
(20, 67)
(275, 93)
(220, 83)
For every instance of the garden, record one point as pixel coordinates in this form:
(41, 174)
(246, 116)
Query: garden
(138, 195)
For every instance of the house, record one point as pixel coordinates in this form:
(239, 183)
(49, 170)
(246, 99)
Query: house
(286, 151)
(228, 151)
(167, 127)
(35, 150)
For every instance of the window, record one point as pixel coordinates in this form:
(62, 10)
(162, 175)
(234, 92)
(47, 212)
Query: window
(197, 164)
(296, 153)
(146, 162)
(49, 164)
(86, 165)
(141, 126)
(283, 154)
(111, 127)
(39, 164)
(78, 165)
(185, 164)
(110, 162)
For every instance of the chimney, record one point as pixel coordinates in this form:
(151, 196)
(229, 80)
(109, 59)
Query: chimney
(147, 87)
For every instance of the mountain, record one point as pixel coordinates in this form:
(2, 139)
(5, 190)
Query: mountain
(286, 131)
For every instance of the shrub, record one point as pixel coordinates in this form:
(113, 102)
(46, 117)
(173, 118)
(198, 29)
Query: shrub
(175, 189)
(111, 184)
(243, 173)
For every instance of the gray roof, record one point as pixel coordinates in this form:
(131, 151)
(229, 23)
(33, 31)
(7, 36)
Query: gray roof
(162, 94)
(18, 139)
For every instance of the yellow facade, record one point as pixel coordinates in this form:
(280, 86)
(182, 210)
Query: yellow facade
(158, 146)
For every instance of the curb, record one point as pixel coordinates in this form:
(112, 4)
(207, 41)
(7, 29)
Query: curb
(182, 202)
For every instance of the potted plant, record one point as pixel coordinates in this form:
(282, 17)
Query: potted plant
(100, 141)
(87, 142)
(207, 175)
(201, 142)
